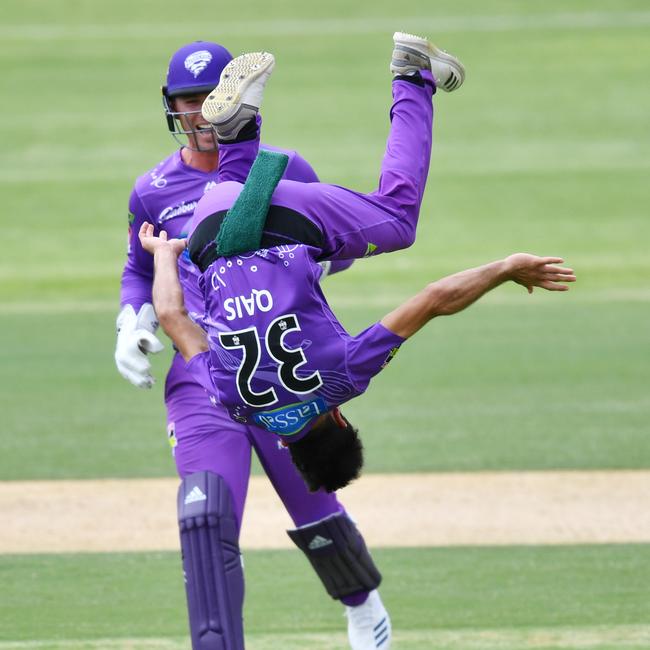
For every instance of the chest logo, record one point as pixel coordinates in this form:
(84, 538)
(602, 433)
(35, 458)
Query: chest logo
(176, 211)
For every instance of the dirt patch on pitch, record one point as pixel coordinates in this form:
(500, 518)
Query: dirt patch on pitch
(392, 510)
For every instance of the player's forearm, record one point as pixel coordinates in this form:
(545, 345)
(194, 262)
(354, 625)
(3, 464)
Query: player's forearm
(167, 293)
(168, 302)
(445, 297)
(456, 292)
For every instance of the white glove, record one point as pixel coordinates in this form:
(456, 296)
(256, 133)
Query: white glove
(136, 339)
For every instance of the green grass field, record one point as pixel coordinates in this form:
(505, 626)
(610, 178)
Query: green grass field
(510, 593)
(546, 149)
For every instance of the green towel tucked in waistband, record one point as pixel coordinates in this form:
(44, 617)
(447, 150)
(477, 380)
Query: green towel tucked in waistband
(241, 230)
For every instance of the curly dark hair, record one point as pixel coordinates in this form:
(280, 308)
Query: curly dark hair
(329, 456)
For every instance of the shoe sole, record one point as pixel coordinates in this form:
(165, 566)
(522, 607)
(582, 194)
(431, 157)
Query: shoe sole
(422, 47)
(226, 100)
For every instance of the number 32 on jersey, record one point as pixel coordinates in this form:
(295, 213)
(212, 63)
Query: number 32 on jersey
(289, 360)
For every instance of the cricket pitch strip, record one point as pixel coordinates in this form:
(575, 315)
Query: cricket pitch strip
(392, 510)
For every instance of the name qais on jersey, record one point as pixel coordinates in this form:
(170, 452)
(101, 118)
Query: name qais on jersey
(249, 315)
(259, 300)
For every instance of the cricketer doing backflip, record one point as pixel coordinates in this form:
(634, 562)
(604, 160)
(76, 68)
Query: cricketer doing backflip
(268, 347)
(204, 438)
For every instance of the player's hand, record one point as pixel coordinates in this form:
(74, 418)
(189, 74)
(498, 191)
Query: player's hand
(136, 339)
(533, 271)
(152, 244)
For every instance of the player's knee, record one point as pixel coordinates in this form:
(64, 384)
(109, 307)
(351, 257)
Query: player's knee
(338, 554)
(408, 235)
(404, 235)
(205, 493)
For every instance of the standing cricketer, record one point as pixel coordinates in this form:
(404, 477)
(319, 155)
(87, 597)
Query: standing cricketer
(208, 445)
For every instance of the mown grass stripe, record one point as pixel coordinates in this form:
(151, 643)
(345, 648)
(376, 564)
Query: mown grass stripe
(362, 301)
(543, 638)
(321, 26)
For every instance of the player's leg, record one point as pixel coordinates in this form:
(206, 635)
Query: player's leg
(357, 225)
(238, 155)
(214, 578)
(353, 224)
(332, 543)
(232, 109)
(203, 437)
(405, 165)
(212, 455)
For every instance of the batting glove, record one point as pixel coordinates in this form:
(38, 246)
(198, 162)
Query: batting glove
(136, 339)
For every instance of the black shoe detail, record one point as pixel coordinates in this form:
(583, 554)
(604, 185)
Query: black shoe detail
(415, 79)
(452, 82)
(247, 132)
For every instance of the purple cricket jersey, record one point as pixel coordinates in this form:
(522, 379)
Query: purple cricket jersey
(166, 196)
(278, 356)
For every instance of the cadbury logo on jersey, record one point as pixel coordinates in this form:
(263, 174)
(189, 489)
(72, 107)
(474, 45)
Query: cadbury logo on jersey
(176, 211)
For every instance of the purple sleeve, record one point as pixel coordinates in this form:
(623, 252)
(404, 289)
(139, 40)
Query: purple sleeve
(369, 352)
(137, 276)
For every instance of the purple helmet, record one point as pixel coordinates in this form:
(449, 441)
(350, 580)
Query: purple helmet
(193, 69)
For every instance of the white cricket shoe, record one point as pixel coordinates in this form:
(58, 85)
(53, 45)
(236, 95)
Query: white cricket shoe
(238, 96)
(369, 624)
(412, 53)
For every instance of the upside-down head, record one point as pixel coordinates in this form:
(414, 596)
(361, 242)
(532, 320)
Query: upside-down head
(330, 455)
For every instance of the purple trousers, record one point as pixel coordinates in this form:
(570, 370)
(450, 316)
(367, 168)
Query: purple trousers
(354, 225)
(207, 439)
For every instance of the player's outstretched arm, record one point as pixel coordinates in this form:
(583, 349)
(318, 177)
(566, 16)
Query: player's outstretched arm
(167, 294)
(455, 292)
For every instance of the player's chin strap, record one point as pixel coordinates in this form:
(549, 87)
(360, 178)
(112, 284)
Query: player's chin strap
(338, 554)
(241, 230)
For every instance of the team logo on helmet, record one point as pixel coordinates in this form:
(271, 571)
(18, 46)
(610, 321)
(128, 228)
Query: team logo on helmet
(197, 62)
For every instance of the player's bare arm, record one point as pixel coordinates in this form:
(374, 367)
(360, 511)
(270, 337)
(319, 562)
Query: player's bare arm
(167, 294)
(456, 292)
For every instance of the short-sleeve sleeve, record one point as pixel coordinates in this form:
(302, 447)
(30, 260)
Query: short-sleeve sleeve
(369, 352)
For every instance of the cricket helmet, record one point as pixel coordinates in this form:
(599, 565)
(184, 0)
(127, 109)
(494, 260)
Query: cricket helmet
(193, 69)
